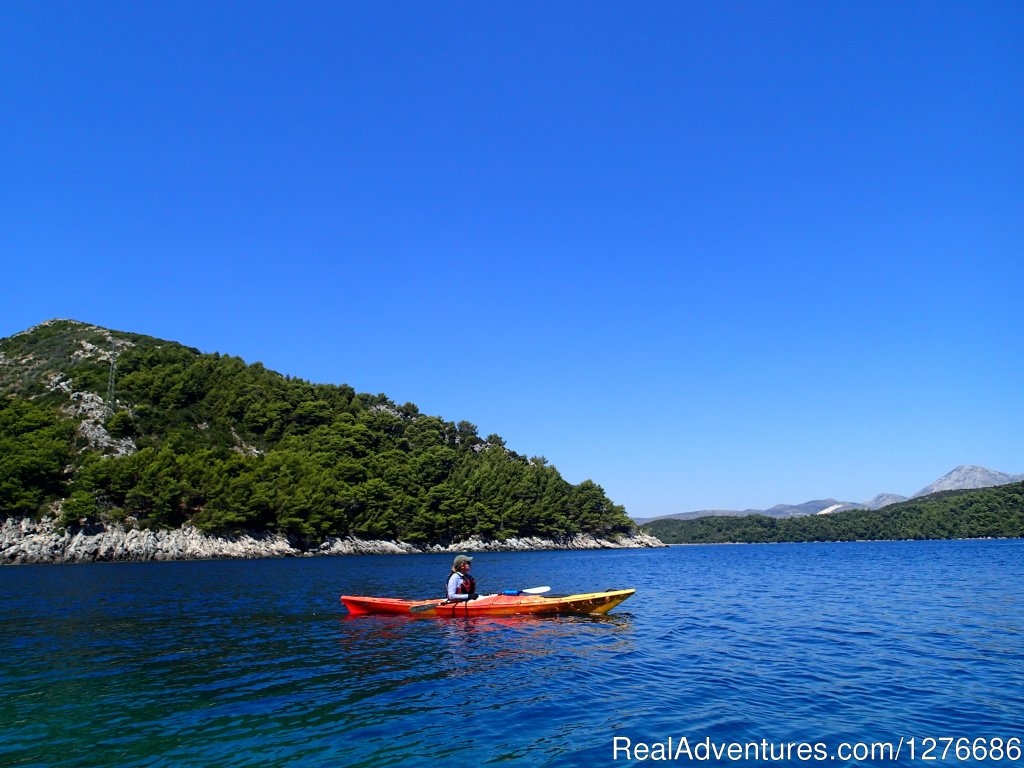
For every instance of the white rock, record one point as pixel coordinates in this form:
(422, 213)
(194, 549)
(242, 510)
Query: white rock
(23, 540)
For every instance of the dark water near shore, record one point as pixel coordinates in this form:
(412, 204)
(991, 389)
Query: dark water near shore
(254, 663)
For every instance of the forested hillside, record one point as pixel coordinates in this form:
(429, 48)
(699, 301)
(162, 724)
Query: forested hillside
(119, 425)
(988, 512)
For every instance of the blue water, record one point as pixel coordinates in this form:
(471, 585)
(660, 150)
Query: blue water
(254, 663)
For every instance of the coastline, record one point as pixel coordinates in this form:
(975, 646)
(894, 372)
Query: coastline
(26, 541)
(836, 541)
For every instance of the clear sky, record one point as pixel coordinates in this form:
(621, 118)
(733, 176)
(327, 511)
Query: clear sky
(710, 255)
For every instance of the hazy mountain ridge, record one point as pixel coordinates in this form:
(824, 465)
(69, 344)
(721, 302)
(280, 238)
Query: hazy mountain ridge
(884, 500)
(962, 478)
(978, 513)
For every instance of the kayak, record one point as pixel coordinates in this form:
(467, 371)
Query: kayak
(491, 605)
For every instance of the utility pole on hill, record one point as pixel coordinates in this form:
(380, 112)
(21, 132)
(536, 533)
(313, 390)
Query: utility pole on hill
(111, 402)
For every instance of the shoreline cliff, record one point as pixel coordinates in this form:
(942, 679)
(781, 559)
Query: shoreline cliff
(28, 541)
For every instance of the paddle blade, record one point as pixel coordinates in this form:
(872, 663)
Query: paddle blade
(535, 590)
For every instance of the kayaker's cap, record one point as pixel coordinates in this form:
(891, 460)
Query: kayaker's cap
(460, 559)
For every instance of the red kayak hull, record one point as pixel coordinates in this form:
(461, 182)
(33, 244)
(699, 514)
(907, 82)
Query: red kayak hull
(491, 605)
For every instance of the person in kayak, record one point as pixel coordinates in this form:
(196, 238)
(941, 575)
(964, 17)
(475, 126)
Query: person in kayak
(461, 586)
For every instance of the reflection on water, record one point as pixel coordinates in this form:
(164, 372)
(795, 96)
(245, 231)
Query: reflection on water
(407, 648)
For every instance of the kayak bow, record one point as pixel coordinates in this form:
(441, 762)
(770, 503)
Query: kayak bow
(491, 605)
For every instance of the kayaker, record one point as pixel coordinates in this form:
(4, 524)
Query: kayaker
(461, 586)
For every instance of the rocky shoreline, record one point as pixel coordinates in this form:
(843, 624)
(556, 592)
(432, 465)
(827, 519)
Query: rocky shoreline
(41, 541)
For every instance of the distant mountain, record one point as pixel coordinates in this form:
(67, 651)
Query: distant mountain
(963, 478)
(968, 477)
(884, 500)
(699, 513)
(817, 507)
(970, 514)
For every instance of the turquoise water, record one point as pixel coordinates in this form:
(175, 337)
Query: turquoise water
(254, 663)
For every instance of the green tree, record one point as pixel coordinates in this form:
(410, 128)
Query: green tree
(35, 447)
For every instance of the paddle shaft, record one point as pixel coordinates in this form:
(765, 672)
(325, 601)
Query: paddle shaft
(431, 606)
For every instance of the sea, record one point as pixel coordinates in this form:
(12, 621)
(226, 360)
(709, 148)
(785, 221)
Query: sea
(840, 654)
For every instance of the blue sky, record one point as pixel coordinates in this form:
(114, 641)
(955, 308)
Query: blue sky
(710, 255)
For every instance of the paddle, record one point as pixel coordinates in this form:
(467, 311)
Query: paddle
(530, 591)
